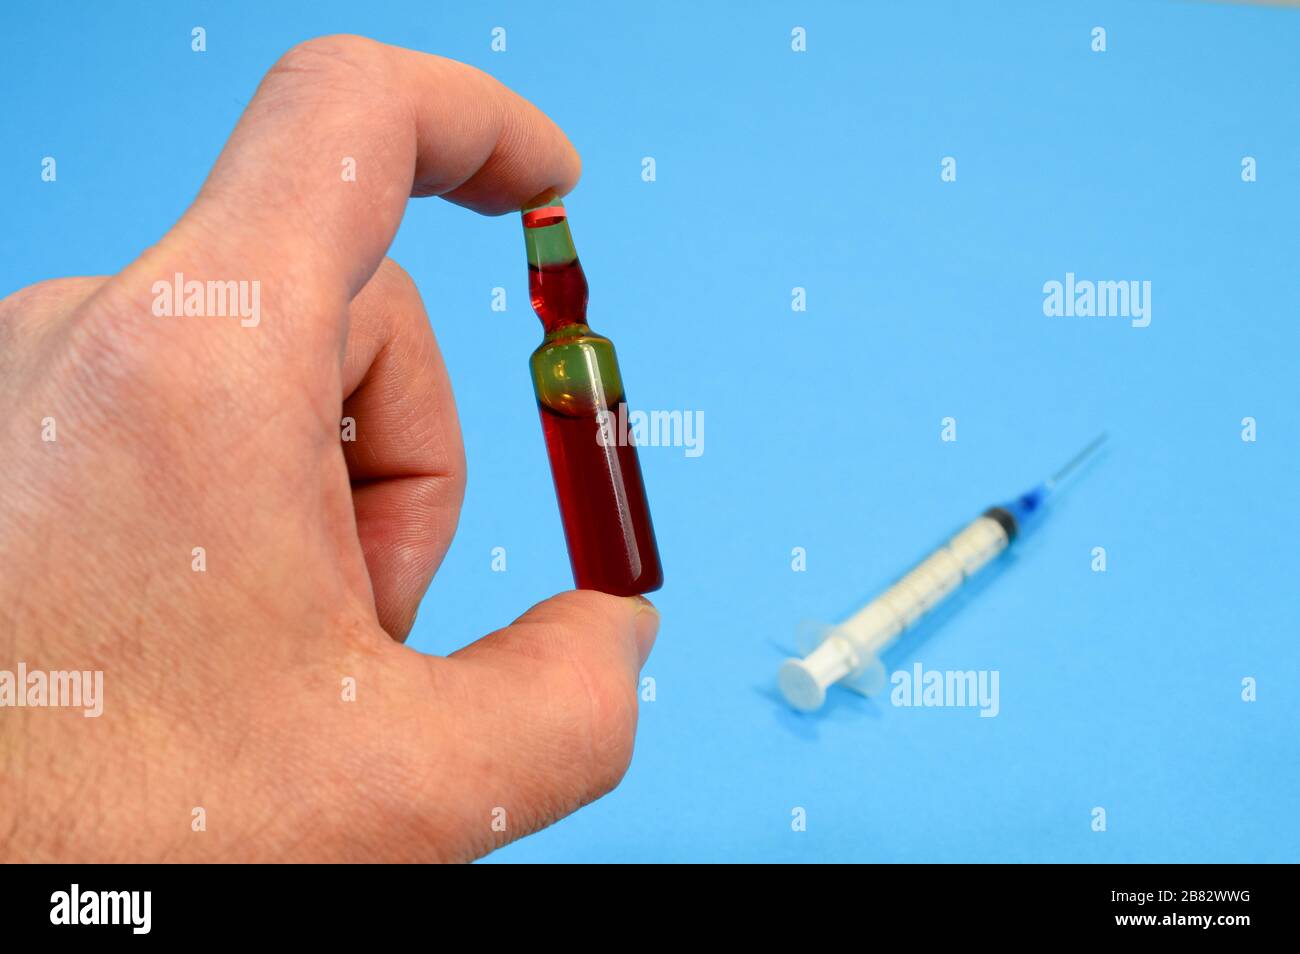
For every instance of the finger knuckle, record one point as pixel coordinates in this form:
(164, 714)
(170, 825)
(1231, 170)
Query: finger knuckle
(340, 59)
(399, 290)
(397, 279)
(45, 297)
(107, 359)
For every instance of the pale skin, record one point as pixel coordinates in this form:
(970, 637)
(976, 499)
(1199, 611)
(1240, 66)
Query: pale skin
(226, 690)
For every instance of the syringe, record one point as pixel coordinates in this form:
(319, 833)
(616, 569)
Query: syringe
(849, 652)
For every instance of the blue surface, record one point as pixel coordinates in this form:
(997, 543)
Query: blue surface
(925, 300)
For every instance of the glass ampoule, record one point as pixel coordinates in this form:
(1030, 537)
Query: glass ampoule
(579, 390)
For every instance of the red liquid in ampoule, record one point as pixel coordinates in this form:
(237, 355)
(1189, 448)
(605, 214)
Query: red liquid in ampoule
(602, 505)
(558, 292)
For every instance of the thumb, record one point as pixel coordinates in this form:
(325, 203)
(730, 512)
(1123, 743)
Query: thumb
(547, 707)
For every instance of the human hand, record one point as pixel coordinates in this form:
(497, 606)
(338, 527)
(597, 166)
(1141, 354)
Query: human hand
(227, 670)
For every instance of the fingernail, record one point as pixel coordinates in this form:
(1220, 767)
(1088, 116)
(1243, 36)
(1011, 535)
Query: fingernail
(646, 622)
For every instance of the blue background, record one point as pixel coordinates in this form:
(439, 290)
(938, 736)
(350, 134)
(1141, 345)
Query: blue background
(821, 169)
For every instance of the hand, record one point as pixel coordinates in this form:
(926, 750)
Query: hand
(131, 439)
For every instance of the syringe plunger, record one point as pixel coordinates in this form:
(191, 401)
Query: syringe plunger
(850, 652)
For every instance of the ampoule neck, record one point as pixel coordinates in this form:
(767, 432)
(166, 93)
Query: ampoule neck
(557, 284)
(559, 330)
(559, 293)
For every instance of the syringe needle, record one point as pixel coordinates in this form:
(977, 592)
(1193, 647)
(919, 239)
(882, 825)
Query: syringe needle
(1075, 461)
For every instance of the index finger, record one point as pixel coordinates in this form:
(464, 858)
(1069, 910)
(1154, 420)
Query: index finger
(313, 182)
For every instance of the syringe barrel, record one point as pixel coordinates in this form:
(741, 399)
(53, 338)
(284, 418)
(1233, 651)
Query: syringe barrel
(875, 627)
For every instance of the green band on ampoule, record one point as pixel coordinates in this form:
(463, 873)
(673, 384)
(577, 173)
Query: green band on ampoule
(547, 237)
